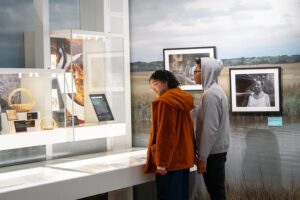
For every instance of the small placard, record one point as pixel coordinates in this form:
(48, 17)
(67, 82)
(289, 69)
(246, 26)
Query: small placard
(32, 115)
(274, 121)
(30, 123)
(20, 126)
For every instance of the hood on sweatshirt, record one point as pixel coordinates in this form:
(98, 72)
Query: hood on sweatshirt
(177, 98)
(210, 71)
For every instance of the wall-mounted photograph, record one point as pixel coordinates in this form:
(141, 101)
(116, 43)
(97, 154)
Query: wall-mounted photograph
(255, 89)
(182, 62)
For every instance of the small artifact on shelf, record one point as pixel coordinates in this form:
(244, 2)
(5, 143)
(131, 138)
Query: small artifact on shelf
(48, 123)
(11, 115)
(21, 107)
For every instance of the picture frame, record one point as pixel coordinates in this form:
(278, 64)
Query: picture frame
(255, 90)
(101, 107)
(181, 62)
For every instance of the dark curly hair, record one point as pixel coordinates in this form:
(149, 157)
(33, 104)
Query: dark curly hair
(198, 61)
(165, 76)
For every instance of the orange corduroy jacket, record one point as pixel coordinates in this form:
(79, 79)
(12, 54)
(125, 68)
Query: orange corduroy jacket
(171, 142)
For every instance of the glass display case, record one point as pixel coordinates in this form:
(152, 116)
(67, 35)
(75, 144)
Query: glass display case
(33, 107)
(106, 163)
(84, 94)
(96, 62)
(56, 179)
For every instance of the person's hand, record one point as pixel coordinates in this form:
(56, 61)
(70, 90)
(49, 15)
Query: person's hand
(161, 170)
(201, 166)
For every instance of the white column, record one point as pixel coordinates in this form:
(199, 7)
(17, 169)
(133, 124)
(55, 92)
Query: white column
(42, 36)
(127, 72)
(92, 15)
(42, 44)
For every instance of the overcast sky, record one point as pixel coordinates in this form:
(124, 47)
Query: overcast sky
(17, 17)
(237, 27)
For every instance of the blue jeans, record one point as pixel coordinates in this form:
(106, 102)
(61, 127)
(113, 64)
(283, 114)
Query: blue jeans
(214, 177)
(173, 186)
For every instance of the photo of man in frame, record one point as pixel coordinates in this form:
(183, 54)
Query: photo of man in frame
(183, 65)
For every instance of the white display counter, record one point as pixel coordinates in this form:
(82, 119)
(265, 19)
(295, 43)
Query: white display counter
(74, 177)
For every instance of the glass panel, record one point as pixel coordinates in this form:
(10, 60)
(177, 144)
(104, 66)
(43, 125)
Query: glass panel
(94, 65)
(116, 24)
(66, 54)
(29, 99)
(22, 155)
(104, 79)
(58, 100)
(64, 14)
(17, 20)
(116, 6)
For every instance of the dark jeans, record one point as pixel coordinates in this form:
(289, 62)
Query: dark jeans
(173, 186)
(214, 177)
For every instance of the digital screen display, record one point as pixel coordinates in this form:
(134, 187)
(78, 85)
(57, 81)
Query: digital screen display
(101, 107)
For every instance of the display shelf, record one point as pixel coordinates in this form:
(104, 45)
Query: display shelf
(21, 179)
(83, 34)
(21, 140)
(90, 131)
(106, 163)
(63, 179)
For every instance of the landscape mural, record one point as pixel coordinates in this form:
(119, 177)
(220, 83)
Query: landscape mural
(263, 161)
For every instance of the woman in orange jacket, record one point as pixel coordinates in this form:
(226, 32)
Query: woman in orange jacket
(171, 150)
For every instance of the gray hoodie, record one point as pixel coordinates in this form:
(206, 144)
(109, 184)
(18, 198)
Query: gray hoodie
(212, 129)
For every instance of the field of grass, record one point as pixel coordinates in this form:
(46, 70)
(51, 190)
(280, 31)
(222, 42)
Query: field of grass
(141, 96)
(290, 76)
(252, 192)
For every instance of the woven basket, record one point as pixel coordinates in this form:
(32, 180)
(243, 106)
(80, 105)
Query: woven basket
(45, 126)
(21, 107)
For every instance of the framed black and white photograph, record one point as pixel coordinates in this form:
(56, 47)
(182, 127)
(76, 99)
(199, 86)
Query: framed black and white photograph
(181, 62)
(101, 107)
(255, 89)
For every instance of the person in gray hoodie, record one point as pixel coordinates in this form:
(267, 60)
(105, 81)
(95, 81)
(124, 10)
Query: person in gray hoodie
(212, 127)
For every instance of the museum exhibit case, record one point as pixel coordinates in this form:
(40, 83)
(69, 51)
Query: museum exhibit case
(79, 89)
(82, 96)
(75, 177)
(33, 107)
(96, 62)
